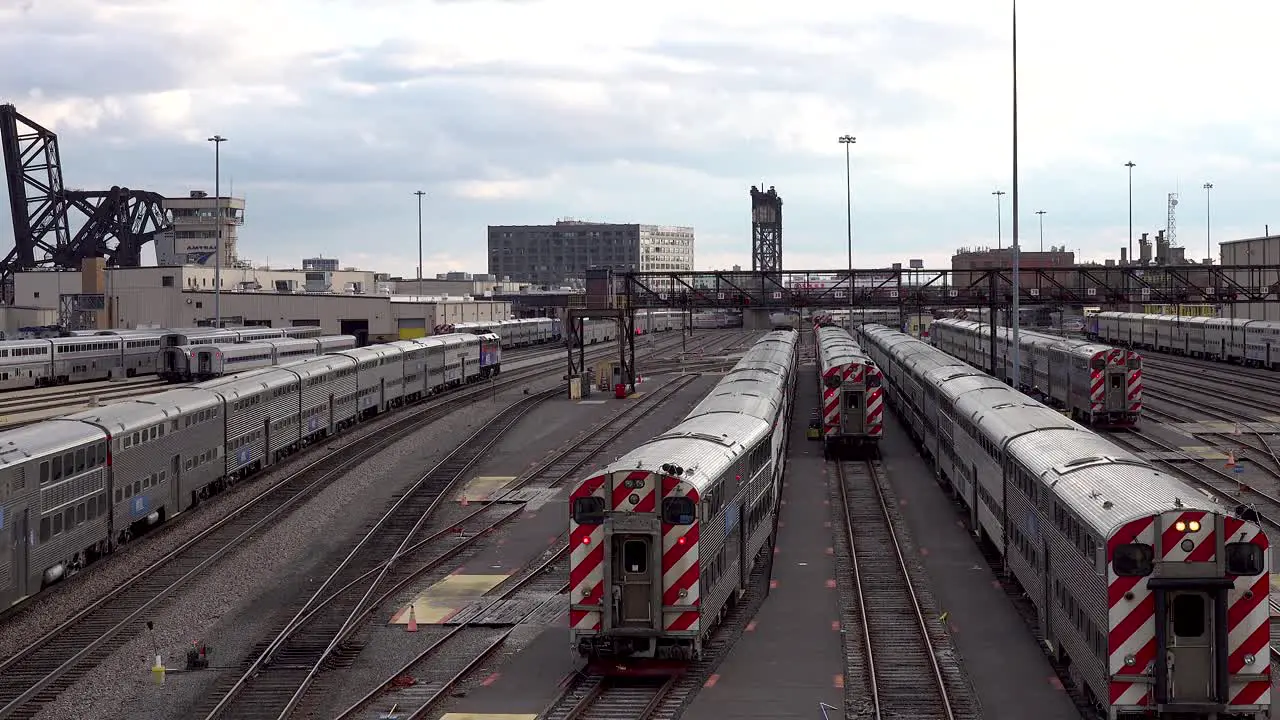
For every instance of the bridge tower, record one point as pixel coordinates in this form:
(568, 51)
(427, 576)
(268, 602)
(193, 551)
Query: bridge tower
(766, 230)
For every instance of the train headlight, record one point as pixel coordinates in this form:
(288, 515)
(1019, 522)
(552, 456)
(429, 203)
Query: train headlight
(1188, 545)
(634, 499)
(1180, 526)
(1194, 525)
(1130, 660)
(1248, 659)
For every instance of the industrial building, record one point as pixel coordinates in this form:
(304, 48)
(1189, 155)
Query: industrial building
(184, 297)
(553, 254)
(1263, 250)
(192, 240)
(985, 258)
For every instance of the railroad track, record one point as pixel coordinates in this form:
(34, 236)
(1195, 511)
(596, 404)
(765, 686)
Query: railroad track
(550, 473)
(1206, 403)
(902, 674)
(1243, 377)
(274, 683)
(601, 698)
(39, 672)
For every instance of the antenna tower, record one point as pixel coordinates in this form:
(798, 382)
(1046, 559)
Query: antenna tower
(1171, 225)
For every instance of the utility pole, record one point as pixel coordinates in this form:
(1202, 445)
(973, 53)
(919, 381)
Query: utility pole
(1208, 245)
(419, 193)
(999, 221)
(847, 141)
(1130, 165)
(1017, 290)
(1041, 214)
(217, 141)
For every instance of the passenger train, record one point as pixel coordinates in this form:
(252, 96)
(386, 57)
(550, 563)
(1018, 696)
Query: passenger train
(84, 356)
(665, 537)
(852, 398)
(522, 332)
(1235, 340)
(185, 363)
(75, 488)
(1152, 594)
(1100, 385)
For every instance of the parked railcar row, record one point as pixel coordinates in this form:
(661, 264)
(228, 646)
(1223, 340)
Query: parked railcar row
(1100, 385)
(74, 488)
(523, 332)
(86, 356)
(185, 363)
(1234, 340)
(688, 513)
(1153, 595)
(849, 385)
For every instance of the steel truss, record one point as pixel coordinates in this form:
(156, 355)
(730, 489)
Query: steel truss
(114, 224)
(574, 340)
(913, 289)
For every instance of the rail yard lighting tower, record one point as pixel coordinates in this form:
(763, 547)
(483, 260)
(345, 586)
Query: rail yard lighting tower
(1208, 245)
(1041, 214)
(1130, 165)
(419, 193)
(217, 141)
(847, 141)
(999, 220)
(1017, 355)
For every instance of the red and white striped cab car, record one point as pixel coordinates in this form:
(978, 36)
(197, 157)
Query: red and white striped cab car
(852, 396)
(1154, 595)
(663, 537)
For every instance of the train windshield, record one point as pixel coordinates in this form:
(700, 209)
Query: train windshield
(1244, 559)
(588, 510)
(677, 511)
(1133, 560)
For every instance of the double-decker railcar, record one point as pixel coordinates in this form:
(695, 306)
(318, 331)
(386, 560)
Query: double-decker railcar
(1099, 384)
(1242, 341)
(1153, 595)
(667, 535)
(849, 385)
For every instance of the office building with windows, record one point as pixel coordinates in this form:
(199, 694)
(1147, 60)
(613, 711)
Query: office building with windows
(550, 254)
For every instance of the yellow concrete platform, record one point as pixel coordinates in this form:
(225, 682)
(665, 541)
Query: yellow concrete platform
(484, 487)
(1271, 418)
(489, 716)
(440, 601)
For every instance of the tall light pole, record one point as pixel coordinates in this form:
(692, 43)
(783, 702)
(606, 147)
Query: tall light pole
(419, 193)
(1017, 289)
(1041, 214)
(999, 220)
(1208, 246)
(217, 141)
(1130, 165)
(847, 141)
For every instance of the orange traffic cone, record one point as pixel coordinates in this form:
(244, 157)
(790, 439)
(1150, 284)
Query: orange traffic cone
(413, 621)
(465, 501)
(1231, 460)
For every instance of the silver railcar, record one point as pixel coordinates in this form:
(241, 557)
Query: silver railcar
(379, 377)
(26, 364)
(328, 395)
(261, 408)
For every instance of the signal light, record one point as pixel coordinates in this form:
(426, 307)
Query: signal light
(680, 540)
(586, 540)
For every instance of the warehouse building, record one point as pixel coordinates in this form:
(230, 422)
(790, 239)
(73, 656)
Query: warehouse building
(553, 254)
(184, 297)
(1264, 250)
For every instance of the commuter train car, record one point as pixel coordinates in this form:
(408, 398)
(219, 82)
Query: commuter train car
(75, 488)
(665, 537)
(1100, 385)
(851, 395)
(177, 365)
(1235, 340)
(1153, 595)
(204, 362)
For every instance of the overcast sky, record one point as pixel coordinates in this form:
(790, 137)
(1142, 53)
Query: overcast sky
(523, 111)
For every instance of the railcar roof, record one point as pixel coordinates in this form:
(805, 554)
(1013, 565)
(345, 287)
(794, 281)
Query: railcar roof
(704, 446)
(249, 383)
(46, 438)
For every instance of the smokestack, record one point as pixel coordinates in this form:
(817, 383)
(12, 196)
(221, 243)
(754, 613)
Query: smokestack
(1124, 256)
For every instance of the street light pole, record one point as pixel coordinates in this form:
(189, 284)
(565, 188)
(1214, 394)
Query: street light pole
(419, 193)
(1208, 245)
(847, 141)
(1017, 290)
(217, 141)
(999, 220)
(1130, 165)
(1041, 214)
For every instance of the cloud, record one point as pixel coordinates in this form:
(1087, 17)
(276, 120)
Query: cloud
(521, 111)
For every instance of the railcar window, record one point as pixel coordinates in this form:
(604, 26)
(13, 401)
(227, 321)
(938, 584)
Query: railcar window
(588, 510)
(635, 556)
(677, 511)
(1133, 560)
(1188, 615)
(1244, 559)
